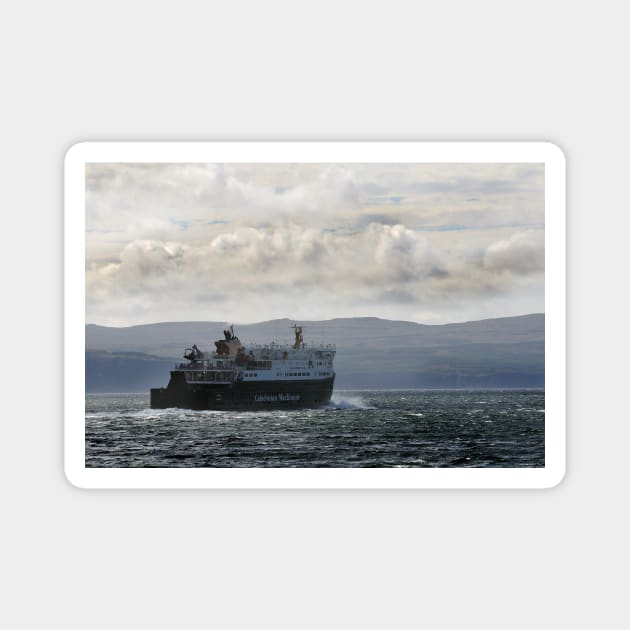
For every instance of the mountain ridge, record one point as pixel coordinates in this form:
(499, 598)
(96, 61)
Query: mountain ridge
(371, 352)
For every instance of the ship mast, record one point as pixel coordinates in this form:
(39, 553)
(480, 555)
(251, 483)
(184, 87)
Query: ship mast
(299, 339)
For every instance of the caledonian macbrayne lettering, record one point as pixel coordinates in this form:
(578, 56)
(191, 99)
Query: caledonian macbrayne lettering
(276, 397)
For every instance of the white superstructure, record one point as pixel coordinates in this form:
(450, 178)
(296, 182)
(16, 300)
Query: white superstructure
(232, 361)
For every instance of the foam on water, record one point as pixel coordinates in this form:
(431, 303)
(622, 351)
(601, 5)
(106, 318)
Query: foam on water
(347, 402)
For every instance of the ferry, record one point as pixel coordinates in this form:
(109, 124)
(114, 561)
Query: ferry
(238, 377)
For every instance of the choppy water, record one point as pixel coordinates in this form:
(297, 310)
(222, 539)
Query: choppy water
(446, 428)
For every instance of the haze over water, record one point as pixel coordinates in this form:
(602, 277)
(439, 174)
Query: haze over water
(439, 428)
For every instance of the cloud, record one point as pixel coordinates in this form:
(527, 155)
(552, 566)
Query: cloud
(288, 267)
(523, 253)
(246, 242)
(151, 258)
(399, 254)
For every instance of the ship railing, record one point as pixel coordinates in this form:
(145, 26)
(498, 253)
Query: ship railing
(208, 376)
(289, 346)
(206, 365)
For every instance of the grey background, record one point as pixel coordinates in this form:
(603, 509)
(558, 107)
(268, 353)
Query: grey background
(277, 70)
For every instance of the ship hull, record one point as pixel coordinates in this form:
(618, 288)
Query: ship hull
(244, 395)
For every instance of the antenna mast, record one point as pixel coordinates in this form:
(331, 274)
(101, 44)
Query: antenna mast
(299, 338)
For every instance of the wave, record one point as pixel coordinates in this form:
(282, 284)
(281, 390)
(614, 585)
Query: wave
(348, 402)
(152, 414)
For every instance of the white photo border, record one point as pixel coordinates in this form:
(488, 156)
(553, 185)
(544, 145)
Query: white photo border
(316, 152)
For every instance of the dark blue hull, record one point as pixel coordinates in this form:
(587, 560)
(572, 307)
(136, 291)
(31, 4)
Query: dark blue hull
(243, 395)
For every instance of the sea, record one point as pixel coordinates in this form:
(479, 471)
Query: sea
(365, 429)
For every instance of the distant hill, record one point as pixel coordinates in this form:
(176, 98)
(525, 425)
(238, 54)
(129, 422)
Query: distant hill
(371, 352)
(124, 371)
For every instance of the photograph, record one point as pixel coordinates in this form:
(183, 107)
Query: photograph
(314, 315)
(330, 298)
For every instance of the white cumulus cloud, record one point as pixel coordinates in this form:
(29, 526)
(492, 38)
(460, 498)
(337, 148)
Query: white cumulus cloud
(522, 253)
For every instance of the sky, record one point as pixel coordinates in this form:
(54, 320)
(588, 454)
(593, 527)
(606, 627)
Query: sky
(244, 243)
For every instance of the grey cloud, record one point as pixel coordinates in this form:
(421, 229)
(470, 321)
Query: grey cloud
(189, 241)
(396, 296)
(372, 188)
(522, 253)
(385, 219)
(438, 273)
